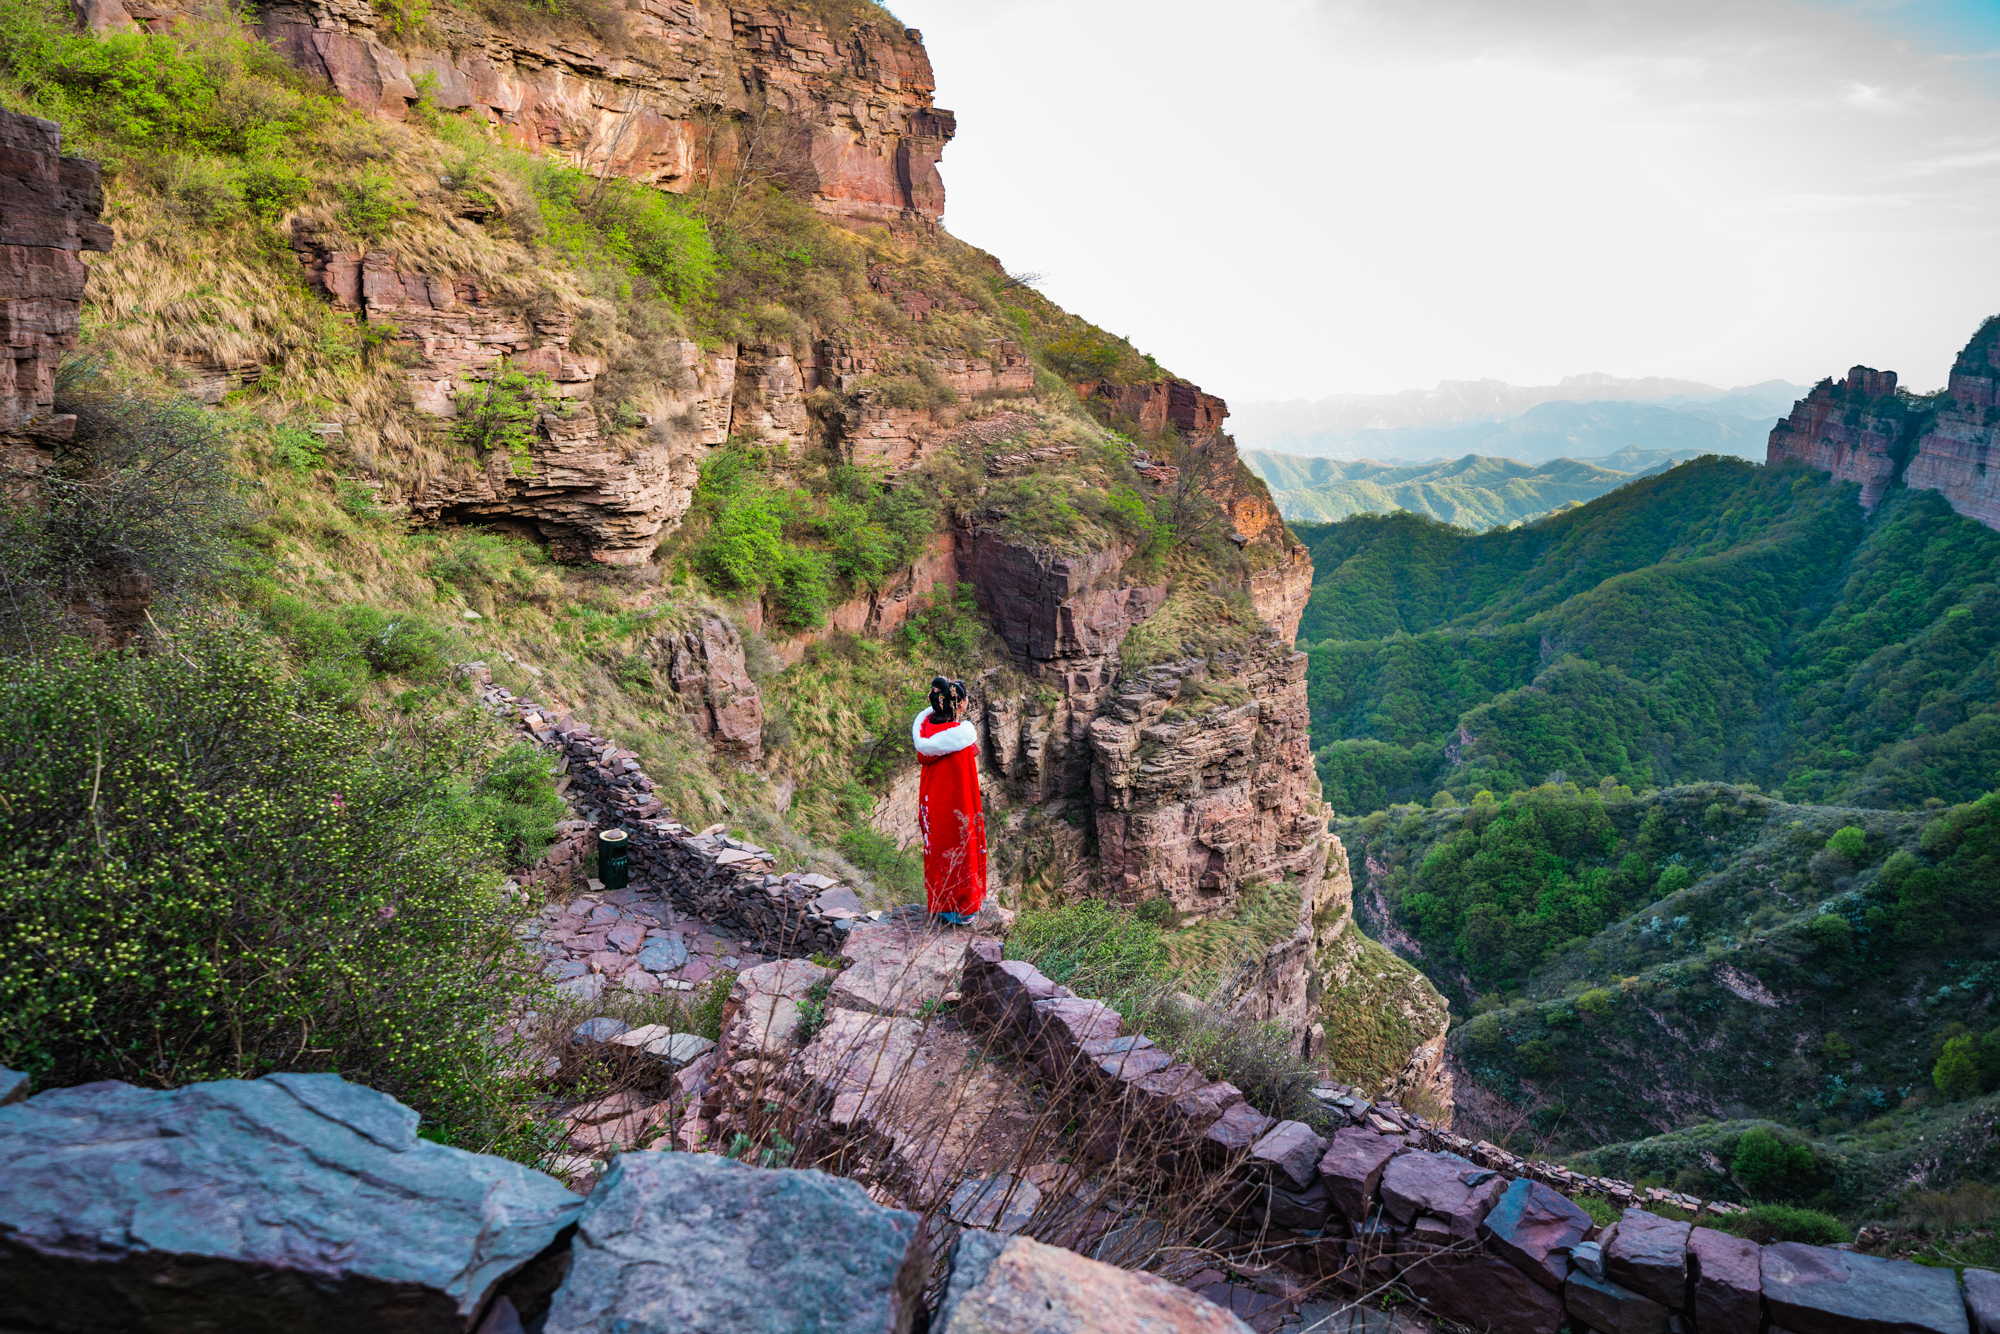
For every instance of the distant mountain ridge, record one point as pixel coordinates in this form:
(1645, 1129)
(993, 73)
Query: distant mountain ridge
(1457, 401)
(1474, 491)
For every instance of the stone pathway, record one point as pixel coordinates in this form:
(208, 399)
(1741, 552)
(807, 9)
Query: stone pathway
(634, 939)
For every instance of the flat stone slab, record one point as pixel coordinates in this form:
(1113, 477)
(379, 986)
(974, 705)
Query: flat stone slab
(1535, 1227)
(1291, 1151)
(663, 956)
(694, 1241)
(1484, 1292)
(761, 1018)
(1815, 1290)
(1002, 1203)
(839, 901)
(1011, 1285)
(898, 968)
(293, 1202)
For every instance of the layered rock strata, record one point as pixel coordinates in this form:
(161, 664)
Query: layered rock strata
(49, 207)
(1956, 456)
(1862, 430)
(1851, 428)
(671, 95)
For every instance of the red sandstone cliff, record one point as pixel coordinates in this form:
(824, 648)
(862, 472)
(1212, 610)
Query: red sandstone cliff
(1863, 430)
(1955, 457)
(1851, 429)
(842, 110)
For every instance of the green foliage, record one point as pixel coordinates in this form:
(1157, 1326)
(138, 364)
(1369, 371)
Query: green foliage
(645, 232)
(503, 413)
(1773, 1168)
(198, 88)
(902, 873)
(1091, 947)
(341, 651)
(1957, 1073)
(1769, 1223)
(1716, 621)
(517, 797)
(371, 203)
(1850, 842)
(799, 547)
(206, 873)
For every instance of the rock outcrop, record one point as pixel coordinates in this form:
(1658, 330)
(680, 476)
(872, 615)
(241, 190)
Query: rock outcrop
(1956, 456)
(666, 94)
(49, 207)
(1864, 430)
(1851, 428)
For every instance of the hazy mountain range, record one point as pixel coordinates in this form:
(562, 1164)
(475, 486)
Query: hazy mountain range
(1585, 416)
(1473, 492)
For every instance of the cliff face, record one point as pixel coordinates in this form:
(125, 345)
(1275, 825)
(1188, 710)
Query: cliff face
(1851, 429)
(1862, 430)
(1955, 455)
(49, 206)
(671, 93)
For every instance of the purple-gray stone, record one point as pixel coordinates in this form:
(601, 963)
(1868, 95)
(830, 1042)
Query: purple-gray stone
(1292, 1152)
(1982, 1300)
(695, 1241)
(294, 1202)
(1816, 1290)
(1611, 1308)
(1649, 1256)
(1534, 1228)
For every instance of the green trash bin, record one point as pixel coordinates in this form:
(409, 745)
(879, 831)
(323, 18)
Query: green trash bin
(614, 858)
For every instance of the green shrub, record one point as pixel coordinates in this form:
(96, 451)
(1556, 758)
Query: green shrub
(1831, 933)
(371, 203)
(876, 853)
(1536, 1059)
(517, 796)
(1773, 1168)
(1957, 1072)
(1850, 842)
(503, 413)
(1768, 1223)
(205, 873)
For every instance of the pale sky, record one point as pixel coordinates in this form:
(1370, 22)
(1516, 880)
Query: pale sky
(1289, 198)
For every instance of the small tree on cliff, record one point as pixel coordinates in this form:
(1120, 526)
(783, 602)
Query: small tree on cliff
(502, 413)
(1192, 503)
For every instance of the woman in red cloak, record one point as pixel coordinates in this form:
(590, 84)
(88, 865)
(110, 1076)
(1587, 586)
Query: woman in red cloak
(948, 810)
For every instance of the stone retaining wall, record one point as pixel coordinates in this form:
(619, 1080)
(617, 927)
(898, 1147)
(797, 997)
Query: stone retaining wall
(1480, 1237)
(710, 876)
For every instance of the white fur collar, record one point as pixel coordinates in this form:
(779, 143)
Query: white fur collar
(948, 742)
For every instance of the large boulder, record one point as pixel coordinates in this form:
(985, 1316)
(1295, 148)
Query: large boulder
(1482, 1292)
(1011, 1285)
(1649, 1256)
(1443, 1184)
(1611, 1308)
(1352, 1168)
(1726, 1277)
(693, 1241)
(1288, 1154)
(294, 1202)
(1816, 1290)
(1534, 1227)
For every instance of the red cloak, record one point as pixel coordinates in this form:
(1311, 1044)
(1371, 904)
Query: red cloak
(949, 815)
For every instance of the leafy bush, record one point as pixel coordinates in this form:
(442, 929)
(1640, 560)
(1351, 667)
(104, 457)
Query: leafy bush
(517, 797)
(1773, 1168)
(877, 853)
(1957, 1073)
(206, 873)
(1850, 842)
(502, 413)
(371, 203)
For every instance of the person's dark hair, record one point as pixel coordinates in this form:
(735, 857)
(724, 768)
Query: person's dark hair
(945, 696)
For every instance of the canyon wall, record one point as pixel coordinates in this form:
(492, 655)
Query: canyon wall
(1863, 430)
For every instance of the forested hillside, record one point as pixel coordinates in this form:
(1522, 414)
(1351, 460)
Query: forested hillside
(1720, 621)
(1473, 492)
